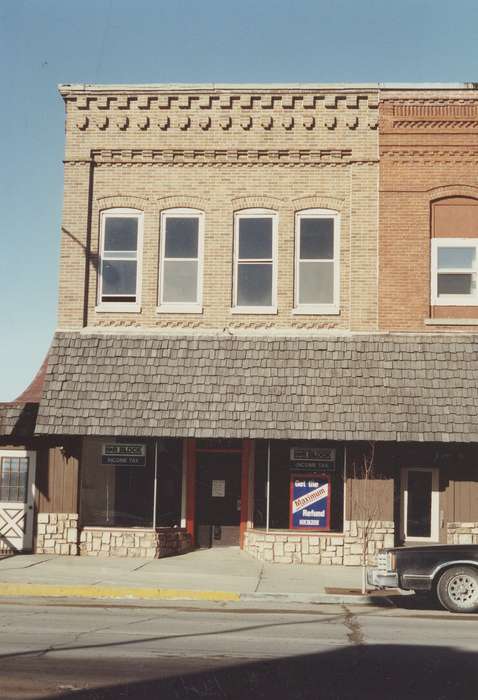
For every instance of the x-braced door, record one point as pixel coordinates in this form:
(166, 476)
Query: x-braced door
(17, 479)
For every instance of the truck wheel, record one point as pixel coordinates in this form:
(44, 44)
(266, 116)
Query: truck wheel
(457, 589)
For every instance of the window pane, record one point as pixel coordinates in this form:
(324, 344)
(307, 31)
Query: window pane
(255, 239)
(13, 479)
(455, 284)
(181, 237)
(316, 239)
(316, 282)
(180, 281)
(456, 257)
(119, 277)
(419, 510)
(121, 233)
(254, 285)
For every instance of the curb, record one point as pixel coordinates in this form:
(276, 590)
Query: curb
(36, 590)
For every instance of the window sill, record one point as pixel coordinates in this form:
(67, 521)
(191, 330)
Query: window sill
(451, 321)
(113, 308)
(313, 310)
(179, 309)
(245, 310)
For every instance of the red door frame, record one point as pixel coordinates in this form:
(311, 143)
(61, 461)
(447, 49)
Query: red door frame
(191, 461)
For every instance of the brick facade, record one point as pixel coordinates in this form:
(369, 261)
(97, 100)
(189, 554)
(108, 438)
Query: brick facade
(428, 151)
(220, 150)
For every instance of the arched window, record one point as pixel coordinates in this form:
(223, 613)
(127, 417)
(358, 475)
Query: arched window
(317, 262)
(255, 261)
(454, 249)
(119, 271)
(181, 261)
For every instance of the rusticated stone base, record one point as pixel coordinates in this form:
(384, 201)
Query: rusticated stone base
(462, 533)
(381, 534)
(326, 548)
(289, 547)
(57, 533)
(139, 543)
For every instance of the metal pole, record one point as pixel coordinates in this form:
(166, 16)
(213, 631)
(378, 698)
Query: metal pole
(155, 491)
(268, 490)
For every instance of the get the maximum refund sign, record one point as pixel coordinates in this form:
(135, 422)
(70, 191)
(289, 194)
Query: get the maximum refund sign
(309, 502)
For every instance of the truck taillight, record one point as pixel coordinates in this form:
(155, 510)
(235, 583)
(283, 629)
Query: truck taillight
(392, 561)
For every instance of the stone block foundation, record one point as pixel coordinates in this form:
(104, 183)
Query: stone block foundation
(57, 533)
(139, 543)
(326, 548)
(462, 533)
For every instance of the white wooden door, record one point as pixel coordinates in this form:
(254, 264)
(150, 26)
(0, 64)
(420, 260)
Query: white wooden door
(420, 504)
(17, 484)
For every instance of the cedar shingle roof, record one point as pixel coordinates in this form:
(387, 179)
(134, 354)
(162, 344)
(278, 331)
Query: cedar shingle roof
(382, 387)
(17, 418)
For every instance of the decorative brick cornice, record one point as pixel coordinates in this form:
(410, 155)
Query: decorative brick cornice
(174, 156)
(436, 115)
(432, 154)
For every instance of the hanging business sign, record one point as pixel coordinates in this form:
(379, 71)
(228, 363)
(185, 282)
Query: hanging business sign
(309, 502)
(123, 454)
(312, 459)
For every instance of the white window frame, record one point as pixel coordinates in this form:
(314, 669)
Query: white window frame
(181, 307)
(435, 505)
(255, 214)
(452, 299)
(326, 309)
(123, 306)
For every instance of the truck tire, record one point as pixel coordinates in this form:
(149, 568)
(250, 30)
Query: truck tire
(457, 589)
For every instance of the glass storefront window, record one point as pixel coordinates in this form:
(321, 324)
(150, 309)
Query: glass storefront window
(117, 482)
(281, 469)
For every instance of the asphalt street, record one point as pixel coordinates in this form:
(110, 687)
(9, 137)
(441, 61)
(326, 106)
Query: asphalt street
(92, 650)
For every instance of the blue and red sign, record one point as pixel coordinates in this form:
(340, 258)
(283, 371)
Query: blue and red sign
(309, 502)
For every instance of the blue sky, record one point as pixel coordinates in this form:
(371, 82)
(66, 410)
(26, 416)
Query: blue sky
(46, 42)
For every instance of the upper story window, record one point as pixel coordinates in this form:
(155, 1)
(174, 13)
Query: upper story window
(180, 276)
(454, 252)
(454, 271)
(255, 254)
(317, 262)
(119, 269)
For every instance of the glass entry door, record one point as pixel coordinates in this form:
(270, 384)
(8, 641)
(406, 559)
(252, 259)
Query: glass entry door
(420, 504)
(17, 477)
(218, 504)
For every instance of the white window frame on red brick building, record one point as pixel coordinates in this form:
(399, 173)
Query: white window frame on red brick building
(317, 308)
(437, 299)
(108, 305)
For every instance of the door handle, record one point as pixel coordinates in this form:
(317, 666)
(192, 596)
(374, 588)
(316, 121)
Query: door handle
(238, 504)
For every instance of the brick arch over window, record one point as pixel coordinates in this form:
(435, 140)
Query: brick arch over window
(261, 201)
(182, 201)
(317, 201)
(454, 216)
(122, 201)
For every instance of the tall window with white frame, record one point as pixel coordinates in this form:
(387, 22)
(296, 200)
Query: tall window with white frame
(119, 283)
(317, 262)
(255, 255)
(454, 271)
(181, 253)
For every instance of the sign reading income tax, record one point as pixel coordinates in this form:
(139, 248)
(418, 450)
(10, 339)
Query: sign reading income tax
(123, 454)
(309, 502)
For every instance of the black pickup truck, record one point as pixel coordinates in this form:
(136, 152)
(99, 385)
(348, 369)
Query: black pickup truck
(450, 571)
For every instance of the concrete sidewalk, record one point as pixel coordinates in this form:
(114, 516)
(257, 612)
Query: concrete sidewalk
(220, 574)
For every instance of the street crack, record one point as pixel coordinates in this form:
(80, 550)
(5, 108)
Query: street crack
(354, 630)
